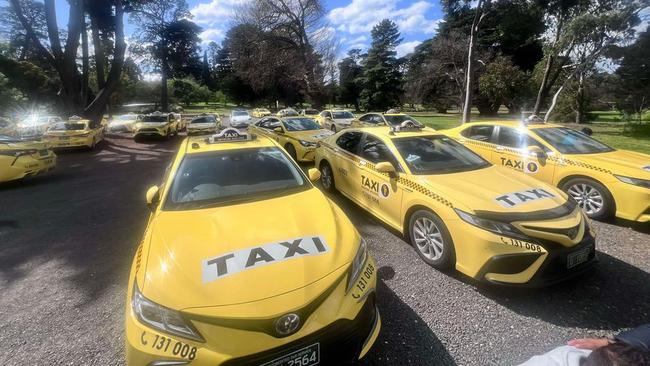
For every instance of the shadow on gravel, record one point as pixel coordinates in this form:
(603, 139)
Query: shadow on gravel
(83, 220)
(614, 295)
(404, 338)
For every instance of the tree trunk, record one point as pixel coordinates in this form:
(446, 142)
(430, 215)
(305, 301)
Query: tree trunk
(469, 74)
(85, 69)
(580, 99)
(99, 53)
(545, 86)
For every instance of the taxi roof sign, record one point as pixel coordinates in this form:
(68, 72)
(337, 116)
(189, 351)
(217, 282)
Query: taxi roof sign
(230, 135)
(406, 126)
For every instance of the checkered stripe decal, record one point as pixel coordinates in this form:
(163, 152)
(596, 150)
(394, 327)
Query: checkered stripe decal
(401, 180)
(551, 158)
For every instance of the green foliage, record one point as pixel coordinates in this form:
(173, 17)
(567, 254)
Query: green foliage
(350, 71)
(503, 83)
(188, 91)
(634, 73)
(382, 78)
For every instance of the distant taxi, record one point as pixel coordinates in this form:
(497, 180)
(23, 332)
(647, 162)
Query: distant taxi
(245, 262)
(335, 119)
(384, 119)
(287, 112)
(456, 208)
(603, 180)
(298, 135)
(36, 125)
(74, 133)
(311, 113)
(156, 124)
(205, 124)
(122, 123)
(260, 112)
(22, 159)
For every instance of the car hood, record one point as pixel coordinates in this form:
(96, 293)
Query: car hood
(622, 162)
(121, 122)
(313, 135)
(186, 247)
(495, 189)
(240, 118)
(22, 145)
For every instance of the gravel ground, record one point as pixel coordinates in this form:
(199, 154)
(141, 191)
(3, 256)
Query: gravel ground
(67, 240)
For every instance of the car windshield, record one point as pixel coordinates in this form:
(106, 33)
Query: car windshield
(568, 141)
(68, 126)
(240, 113)
(397, 120)
(215, 178)
(342, 115)
(300, 124)
(7, 139)
(154, 119)
(127, 117)
(437, 155)
(203, 120)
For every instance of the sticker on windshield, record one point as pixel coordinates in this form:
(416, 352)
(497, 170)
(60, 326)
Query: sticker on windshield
(411, 158)
(517, 198)
(230, 263)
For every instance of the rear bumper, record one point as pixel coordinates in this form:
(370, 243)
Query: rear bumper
(27, 167)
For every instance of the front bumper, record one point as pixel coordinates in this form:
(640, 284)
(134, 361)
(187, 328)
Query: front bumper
(491, 258)
(305, 154)
(150, 131)
(27, 166)
(632, 202)
(344, 325)
(120, 128)
(192, 131)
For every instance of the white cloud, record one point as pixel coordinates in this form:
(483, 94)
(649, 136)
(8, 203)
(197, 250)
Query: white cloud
(406, 48)
(215, 17)
(359, 16)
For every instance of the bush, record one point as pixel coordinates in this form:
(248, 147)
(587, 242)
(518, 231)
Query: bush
(637, 129)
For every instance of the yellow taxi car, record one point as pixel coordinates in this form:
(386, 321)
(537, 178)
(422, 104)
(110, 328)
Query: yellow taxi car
(156, 124)
(122, 123)
(76, 132)
(245, 262)
(604, 181)
(335, 119)
(22, 159)
(384, 119)
(311, 113)
(298, 135)
(204, 124)
(287, 112)
(458, 210)
(260, 112)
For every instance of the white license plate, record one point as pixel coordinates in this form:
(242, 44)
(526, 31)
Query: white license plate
(307, 356)
(577, 257)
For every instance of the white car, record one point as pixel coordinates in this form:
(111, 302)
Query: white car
(123, 123)
(335, 120)
(35, 126)
(240, 118)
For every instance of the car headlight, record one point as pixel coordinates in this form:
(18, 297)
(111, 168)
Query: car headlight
(634, 181)
(496, 227)
(358, 262)
(307, 143)
(162, 318)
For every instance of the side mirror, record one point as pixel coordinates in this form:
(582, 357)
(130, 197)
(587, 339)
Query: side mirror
(278, 130)
(587, 131)
(537, 151)
(153, 196)
(314, 174)
(386, 167)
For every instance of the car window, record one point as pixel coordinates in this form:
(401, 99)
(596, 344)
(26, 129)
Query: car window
(374, 150)
(62, 126)
(203, 120)
(437, 155)
(480, 133)
(349, 141)
(300, 124)
(343, 115)
(569, 141)
(513, 138)
(328, 115)
(365, 118)
(214, 178)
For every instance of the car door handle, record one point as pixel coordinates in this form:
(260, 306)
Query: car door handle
(501, 147)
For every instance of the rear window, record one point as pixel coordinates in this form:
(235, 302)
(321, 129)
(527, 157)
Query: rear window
(158, 119)
(203, 120)
(68, 127)
(215, 178)
(240, 113)
(480, 133)
(342, 115)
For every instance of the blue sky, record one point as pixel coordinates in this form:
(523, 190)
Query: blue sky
(351, 20)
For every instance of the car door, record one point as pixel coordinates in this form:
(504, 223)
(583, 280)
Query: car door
(512, 152)
(480, 139)
(344, 165)
(380, 194)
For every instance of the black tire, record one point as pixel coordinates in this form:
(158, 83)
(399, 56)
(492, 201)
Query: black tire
(327, 177)
(137, 138)
(582, 188)
(333, 128)
(292, 151)
(447, 259)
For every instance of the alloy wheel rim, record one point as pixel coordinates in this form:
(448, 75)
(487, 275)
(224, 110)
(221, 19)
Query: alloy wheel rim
(588, 198)
(428, 238)
(326, 177)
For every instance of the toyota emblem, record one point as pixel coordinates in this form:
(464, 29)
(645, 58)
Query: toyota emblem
(287, 324)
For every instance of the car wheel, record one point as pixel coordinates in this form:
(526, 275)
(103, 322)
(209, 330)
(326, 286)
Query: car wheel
(593, 197)
(333, 128)
(292, 151)
(92, 144)
(327, 177)
(431, 240)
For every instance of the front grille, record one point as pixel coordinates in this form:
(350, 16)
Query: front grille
(340, 342)
(555, 268)
(571, 232)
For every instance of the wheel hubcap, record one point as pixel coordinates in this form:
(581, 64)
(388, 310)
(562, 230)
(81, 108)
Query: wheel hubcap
(326, 177)
(588, 198)
(428, 238)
